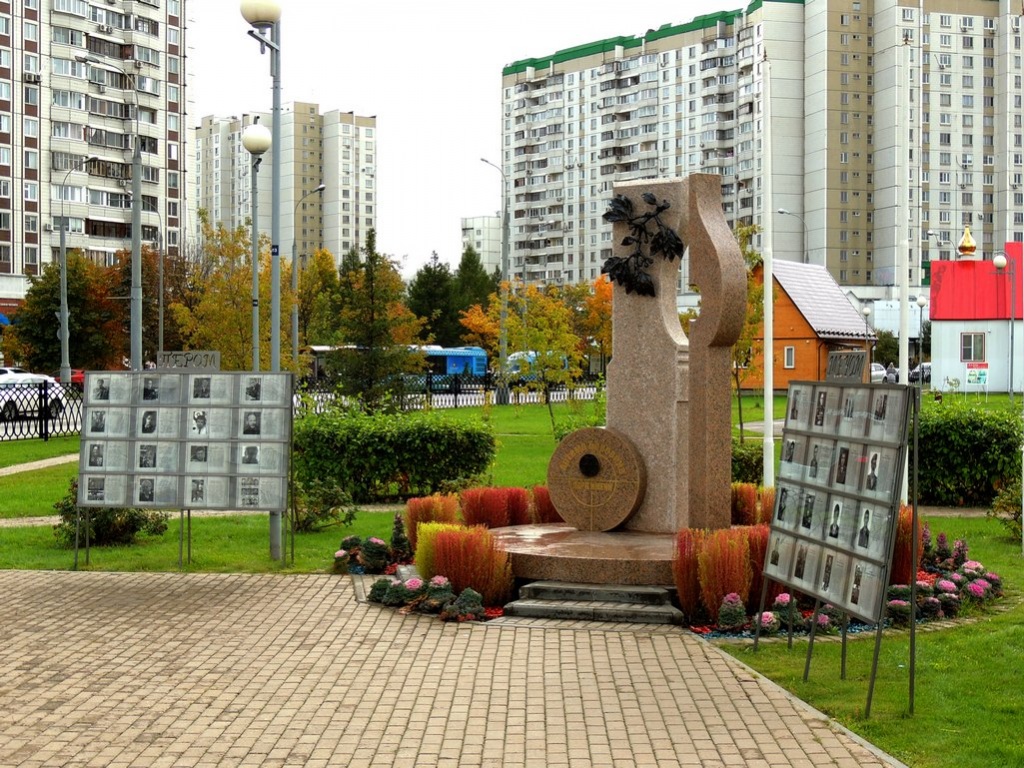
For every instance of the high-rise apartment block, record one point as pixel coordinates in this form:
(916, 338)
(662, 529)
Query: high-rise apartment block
(81, 84)
(483, 234)
(336, 149)
(893, 125)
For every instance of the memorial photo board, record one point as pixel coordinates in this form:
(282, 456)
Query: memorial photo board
(166, 439)
(837, 495)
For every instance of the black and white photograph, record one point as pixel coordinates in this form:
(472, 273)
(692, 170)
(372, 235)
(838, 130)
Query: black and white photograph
(201, 388)
(780, 555)
(782, 510)
(107, 388)
(862, 591)
(251, 422)
(842, 466)
(827, 408)
(199, 425)
(798, 410)
(197, 491)
(888, 416)
(197, 454)
(791, 462)
(96, 455)
(871, 478)
(148, 426)
(249, 492)
(880, 467)
(805, 565)
(854, 417)
(253, 389)
(847, 468)
(97, 422)
(147, 456)
(251, 454)
(147, 490)
(820, 404)
(832, 583)
(818, 463)
(864, 529)
(101, 389)
(835, 521)
(151, 388)
(96, 486)
(881, 406)
(807, 511)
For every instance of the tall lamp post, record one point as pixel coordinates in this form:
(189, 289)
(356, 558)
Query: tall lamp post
(1001, 262)
(136, 290)
(786, 212)
(65, 355)
(866, 311)
(295, 275)
(265, 18)
(256, 140)
(922, 302)
(501, 393)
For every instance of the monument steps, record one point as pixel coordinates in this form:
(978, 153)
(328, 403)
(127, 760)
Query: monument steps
(595, 602)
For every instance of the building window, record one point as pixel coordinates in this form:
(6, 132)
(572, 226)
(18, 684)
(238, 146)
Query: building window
(972, 347)
(790, 357)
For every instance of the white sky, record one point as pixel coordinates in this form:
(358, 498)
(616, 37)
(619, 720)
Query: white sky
(429, 71)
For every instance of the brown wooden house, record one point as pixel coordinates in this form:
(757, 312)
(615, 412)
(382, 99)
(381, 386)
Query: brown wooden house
(812, 318)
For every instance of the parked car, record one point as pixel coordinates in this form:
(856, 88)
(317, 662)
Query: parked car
(77, 378)
(877, 373)
(922, 373)
(21, 396)
(8, 371)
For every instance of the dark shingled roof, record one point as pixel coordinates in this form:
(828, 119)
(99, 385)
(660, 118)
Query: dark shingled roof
(820, 300)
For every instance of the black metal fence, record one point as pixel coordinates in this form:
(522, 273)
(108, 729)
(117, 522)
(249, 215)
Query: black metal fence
(39, 410)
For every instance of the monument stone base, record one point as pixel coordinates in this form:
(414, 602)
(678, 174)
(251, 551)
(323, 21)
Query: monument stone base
(559, 552)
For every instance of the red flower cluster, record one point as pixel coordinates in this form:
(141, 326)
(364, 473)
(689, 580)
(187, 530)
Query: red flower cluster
(494, 613)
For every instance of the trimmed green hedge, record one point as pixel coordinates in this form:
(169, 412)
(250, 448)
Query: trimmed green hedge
(967, 454)
(386, 456)
(747, 461)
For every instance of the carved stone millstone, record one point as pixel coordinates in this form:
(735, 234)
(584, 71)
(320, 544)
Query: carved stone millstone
(596, 479)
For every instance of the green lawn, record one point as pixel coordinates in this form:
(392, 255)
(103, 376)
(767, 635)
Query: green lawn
(33, 494)
(969, 682)
(14, 452)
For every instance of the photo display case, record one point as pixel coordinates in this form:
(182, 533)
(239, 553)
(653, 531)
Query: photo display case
(186, 440)
(837, 495)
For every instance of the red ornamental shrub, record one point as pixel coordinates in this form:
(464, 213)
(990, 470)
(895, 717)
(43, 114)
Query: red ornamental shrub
(429, 509)
(744, 503)
(902, 568)
(684, 569)
(519, 511)
(757, 539)
(485, 506)
(767, 506)
(543, 510)
(469, 558)
(723, 566)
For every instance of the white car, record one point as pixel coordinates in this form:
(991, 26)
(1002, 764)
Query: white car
(20, 396)
(877, 373)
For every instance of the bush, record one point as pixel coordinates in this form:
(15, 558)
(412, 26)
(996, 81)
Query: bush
(1006, 508)
(401, 549)
(543, 510)
(468, 606)
(766, 508)
(469, 558)
(322, 505)
(902, 564)
(430, 509)
(104, 526)
(375, 555)
(747, 462)
(732, 613)
(744, 503)
(382, 456)
(757, 539)
(519, 511)
(967, 454)
(486, 506)
(685, 570)
(723, 566)
(426, 534)
(439, 593)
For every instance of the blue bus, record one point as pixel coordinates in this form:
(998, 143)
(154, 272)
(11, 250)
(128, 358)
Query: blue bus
(448, 361)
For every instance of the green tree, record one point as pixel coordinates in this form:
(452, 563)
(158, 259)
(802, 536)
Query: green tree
(432, 297)
(376, 328)
(887, 349)
(318, 300)
(472, 283)
(95, 331)
(747, 349)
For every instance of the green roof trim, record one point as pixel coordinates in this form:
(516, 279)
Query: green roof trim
(629, 41)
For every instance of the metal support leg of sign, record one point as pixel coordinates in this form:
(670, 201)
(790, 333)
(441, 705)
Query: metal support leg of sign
(792, 611)
(760, 610)
(88, 524)
(842, 662)
(181, 537)
(810, 641)
(78, 528)
(188, 513)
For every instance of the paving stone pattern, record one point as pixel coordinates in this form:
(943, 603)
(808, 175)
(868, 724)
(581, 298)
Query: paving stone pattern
(156, 669)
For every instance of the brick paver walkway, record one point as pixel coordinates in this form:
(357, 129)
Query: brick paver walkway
(160, 669)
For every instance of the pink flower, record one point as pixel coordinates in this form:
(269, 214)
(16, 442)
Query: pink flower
(945, 585)
(977, 588)
(973, 565)
(439, 581)
(375, 540)
(414, 584)
(340, 554)
(783, 599)
(898, 603)
(767, 619)
(823, 621)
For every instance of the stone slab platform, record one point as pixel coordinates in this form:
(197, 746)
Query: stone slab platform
(562, 553)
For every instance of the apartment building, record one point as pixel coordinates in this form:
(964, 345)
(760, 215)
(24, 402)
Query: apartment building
(892, 127)
(336, 149)
(483, 233)
(82, 84)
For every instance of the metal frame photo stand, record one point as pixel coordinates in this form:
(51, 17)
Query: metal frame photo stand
(837, 504)
(185, 439)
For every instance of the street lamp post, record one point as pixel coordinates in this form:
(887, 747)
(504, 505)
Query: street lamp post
(501, 393)
(1001, 262)
(295, 276)
(136, 290)
(866, 311)
(922, 302)
(265, 18)
(256, 140)
(65, 353)
(786, 212)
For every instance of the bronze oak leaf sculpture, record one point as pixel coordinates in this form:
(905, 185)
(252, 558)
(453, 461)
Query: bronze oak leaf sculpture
(631, 271)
